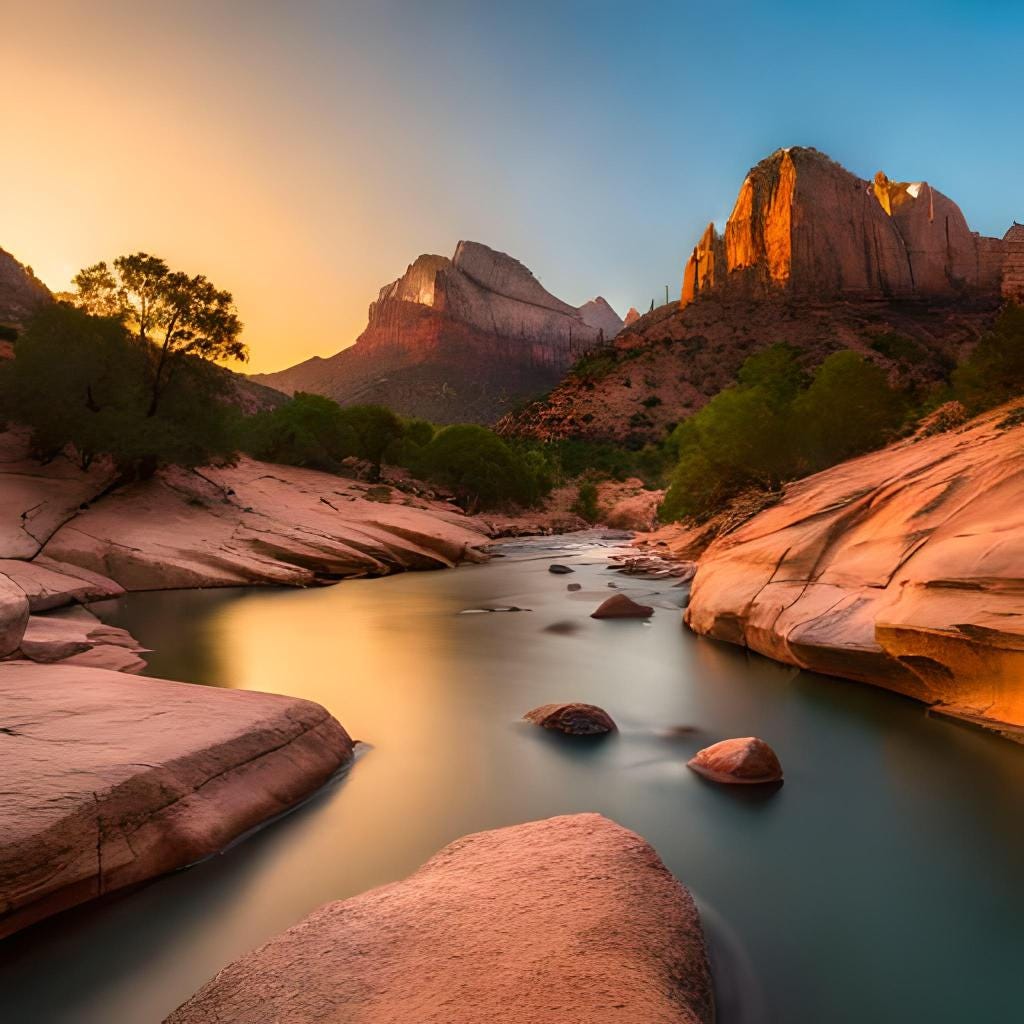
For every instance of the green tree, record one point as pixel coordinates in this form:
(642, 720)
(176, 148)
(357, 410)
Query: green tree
(994, 372)
(174, 315)
(308, 430)
(848, 409)
(375, 429)
(82, 381)
(480, 467)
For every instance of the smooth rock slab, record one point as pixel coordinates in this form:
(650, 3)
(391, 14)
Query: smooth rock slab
(572, 920)
(621, 607)
(746, 761)
(110, 780)
(574, 719)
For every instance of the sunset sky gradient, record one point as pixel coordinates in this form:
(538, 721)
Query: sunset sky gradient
(302, 154)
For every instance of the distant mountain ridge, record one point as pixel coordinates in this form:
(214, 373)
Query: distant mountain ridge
(21, 292)
(460, 339)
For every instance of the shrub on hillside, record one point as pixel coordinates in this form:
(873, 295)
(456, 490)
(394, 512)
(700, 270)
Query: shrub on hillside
(994, 372)
(773, 426)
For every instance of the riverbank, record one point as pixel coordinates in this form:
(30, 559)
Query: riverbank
(901, 568)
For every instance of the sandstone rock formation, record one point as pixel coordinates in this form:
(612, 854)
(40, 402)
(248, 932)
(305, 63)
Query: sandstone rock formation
(456, 340)
(618, 606)
(632, 315)
(21, 292)
(64, 538)
(573, 919)
(108, 782)
(744, 761)
(574, 719)
(900, 568)
(804, 226)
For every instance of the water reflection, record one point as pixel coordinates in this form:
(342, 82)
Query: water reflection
(893, 847)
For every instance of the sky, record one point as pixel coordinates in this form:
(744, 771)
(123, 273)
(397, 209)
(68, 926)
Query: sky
(301, 154)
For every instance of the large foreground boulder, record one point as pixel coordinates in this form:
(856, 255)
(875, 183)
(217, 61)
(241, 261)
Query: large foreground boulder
(109, 780)
(573, 919)
(901, 568)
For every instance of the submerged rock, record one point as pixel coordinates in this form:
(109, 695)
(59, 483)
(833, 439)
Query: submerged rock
(572, 919)
(574, 719)
(619, 606)
(747, 760)
(560, 570)
(574, 587)
(109, 781)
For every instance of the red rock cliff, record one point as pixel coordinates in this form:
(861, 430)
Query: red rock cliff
(806, 227)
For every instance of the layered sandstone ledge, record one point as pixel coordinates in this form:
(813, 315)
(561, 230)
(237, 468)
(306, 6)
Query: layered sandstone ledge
(109, 782)
(66, 535)
(572, 919)
(902, 568)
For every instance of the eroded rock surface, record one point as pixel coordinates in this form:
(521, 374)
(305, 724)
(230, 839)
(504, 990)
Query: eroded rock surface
(572, 920)
(900, 568)
(257, 523)
(109, 781)
(574, 719)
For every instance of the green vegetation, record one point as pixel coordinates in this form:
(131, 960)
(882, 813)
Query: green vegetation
(84, 381)
(585, 505)
(173, 316)
(994, 372)
(774, 425)
(482, 468)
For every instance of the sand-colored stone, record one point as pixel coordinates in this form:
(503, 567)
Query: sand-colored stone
(574, 719)
(254, 523)
(900, 568)
(572, 920)
(109, 782)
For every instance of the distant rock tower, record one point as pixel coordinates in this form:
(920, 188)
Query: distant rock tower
(804, 227)
(1013, 263)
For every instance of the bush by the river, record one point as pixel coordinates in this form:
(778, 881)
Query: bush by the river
(994, 372)
(775, 424)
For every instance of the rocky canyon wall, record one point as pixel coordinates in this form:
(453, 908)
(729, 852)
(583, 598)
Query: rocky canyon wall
(805, 227)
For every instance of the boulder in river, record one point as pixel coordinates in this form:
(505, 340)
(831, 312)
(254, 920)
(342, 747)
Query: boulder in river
(574, 719)
(572, 919)
(574, 586)
(746, 760)
(111, 780)
(560, 570)
(619, 606)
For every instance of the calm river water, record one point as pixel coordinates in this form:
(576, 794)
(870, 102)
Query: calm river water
(882, 883)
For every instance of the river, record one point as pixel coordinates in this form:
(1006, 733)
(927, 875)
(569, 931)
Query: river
(882, 882)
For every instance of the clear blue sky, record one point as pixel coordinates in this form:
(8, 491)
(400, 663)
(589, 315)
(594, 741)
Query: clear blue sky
(304, 153)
